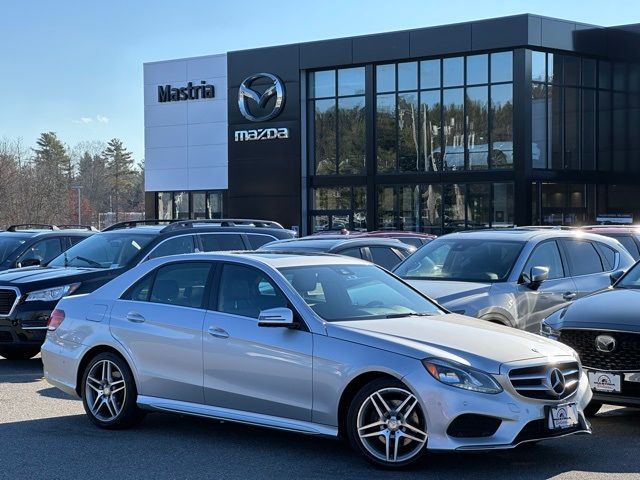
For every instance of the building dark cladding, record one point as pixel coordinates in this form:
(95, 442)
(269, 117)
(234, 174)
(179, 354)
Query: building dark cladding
(515, 120)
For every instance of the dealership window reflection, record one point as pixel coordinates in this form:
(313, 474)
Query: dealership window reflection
(189, 205)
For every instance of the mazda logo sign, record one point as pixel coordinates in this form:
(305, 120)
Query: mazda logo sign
(605, 343)
(259, 101)
(556, 382)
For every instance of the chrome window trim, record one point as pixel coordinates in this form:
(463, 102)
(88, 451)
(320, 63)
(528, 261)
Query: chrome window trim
(16, 301)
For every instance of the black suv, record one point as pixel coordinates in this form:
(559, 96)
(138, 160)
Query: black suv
(29, 245)
(29, 295)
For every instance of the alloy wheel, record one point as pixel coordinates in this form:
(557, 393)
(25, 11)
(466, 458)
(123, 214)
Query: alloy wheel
(391, 426)
(105, 390)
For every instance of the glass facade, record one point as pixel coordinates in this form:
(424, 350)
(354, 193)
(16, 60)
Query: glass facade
(335, 208)
(189, 205)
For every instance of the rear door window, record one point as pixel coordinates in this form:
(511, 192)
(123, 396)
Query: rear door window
(352, 252)
(386, 257)
(216, 242)
(257, 240)
(174, 246)
(583, 257)
(628, 243)
(608, 256)
(180, 284)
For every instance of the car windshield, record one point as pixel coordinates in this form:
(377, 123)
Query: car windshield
(356, 292)
(631, 279)
(103, 250)
(8, 246)
(462, 259)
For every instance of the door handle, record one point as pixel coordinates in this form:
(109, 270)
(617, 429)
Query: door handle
(218, 332)
(569, 295)
(135, 317)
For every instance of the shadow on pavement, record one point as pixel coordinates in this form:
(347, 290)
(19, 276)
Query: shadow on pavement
(53, 392)
(20, 371)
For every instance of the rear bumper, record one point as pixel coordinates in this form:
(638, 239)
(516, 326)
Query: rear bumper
(629, 396)
(61, 359)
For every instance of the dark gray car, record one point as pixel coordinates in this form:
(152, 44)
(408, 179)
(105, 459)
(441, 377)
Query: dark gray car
(515, 277)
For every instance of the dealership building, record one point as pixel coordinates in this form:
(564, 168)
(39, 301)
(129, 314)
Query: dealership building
(516, 120)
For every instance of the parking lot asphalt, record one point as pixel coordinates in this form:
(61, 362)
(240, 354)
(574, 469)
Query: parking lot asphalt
(44, 434)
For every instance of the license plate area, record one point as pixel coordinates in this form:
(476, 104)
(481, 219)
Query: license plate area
(562, 417)
(605, 382)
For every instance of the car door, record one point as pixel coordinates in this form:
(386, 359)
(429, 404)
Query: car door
(159, 321)
(252, 368)
(586, 266)
(533, 305)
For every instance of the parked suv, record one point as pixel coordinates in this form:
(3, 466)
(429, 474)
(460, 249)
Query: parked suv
(515, 277)
(28, 245)
(28, 296)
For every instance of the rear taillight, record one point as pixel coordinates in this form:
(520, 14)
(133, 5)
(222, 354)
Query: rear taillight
(56, 318)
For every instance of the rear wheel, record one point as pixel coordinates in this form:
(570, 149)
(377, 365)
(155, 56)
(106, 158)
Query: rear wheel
(24, 353)
(593, 408)
(386, 424)
(109, 392)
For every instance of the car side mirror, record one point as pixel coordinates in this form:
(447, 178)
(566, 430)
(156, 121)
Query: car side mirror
(536, 276)
(28, 262)
(615, 276)
(277, 317)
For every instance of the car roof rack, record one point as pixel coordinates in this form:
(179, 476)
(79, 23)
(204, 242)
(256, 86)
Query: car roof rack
(137, 223)
(31, 226)
(72, 226)
(221, 222)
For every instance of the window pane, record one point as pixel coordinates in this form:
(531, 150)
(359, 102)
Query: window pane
(181, 284)
(408, 132)
(324, 84)
(546, 255)
(502, 205)
(386, 208)
(588, 72)
(247, 291)
(619, 76)
(454, 206)
(477, 69)
(257, 240)
(453, 101)
(409, 207)
(44, 251)
(386, 78)
(609, 255)
(408, 76)
(453, 71)
(554, 68)
(182, 204)
(325, 137)
(571, 131)
(385, 257)
(430, 146)
(588, 129)
(430, 74)
(214, 204)
(501, 67)
(351, 81)
(571, 70)
(502, 126)
(604, 130)
(386, 133)
(337, 198)
(477, 115)
(174, 246)
(619, 129)
(319, 223)
(539, 125)
(219, 242)
(140, 291)
(538, 66)
(431, 207)
(479, 206)
(359, 198)
(604, 75)
(351, 137)
(583, 257)
(554, 126)
(165, 205)
(199, 200)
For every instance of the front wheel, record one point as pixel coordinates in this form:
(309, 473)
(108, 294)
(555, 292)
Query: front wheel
(386, 424)
(109, 392)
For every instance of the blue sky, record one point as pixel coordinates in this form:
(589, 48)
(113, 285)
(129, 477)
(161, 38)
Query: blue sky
(75, 67)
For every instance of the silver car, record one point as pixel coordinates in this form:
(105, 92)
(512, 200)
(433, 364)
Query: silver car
(317, 344)
(514, 277)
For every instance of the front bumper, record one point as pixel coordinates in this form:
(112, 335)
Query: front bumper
(629, 396)
(522, 419)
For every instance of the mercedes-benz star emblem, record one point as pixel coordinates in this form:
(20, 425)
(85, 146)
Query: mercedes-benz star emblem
(556, 381)
(246, 93)
(605, 343)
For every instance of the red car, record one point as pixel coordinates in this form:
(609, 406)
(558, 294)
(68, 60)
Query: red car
(410, 238)
(628, 236)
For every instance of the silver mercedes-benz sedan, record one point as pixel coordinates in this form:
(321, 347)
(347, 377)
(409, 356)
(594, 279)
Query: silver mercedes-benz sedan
(317, 344)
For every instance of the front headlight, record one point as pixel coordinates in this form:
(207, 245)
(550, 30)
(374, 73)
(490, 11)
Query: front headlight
(548, 331)
(52, 294)
(461, 376)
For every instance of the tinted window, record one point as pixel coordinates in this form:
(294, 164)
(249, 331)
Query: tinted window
(104, 250)
(174, 246)
(44, 251)
(181, 284)
(76, 240)
(386, 257)
(583, 257)
(8, 246)
(546, 255)
(628, 243)
(216, 242)
(139, 292)
(413, 241)
(608, 256)
(247, 291)
(256, 241)
(351, 252)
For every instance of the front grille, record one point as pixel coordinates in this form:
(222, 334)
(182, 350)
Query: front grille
(470, 425)
(5, 337)
(7, 299)
(537, 430)
(538, 381)
(625, 356)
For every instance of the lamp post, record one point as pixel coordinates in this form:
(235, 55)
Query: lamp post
(78, 188)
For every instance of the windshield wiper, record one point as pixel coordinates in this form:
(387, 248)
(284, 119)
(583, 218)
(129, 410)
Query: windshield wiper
(408, 314)
(93, 263)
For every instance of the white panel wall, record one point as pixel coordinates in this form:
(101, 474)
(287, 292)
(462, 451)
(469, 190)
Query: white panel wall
(186, 141)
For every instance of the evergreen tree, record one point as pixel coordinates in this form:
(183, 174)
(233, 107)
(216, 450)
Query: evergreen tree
(120, 170)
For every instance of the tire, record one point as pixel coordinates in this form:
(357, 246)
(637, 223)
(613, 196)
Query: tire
(593, 408)
(24, 353)
(109, 393)
(404, 428)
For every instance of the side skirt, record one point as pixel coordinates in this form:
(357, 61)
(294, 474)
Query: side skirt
(239, 416)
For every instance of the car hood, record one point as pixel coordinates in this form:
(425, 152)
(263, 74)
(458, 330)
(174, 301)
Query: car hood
(29, 279)
(444, 291)
(613, 309)
(454, 337)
